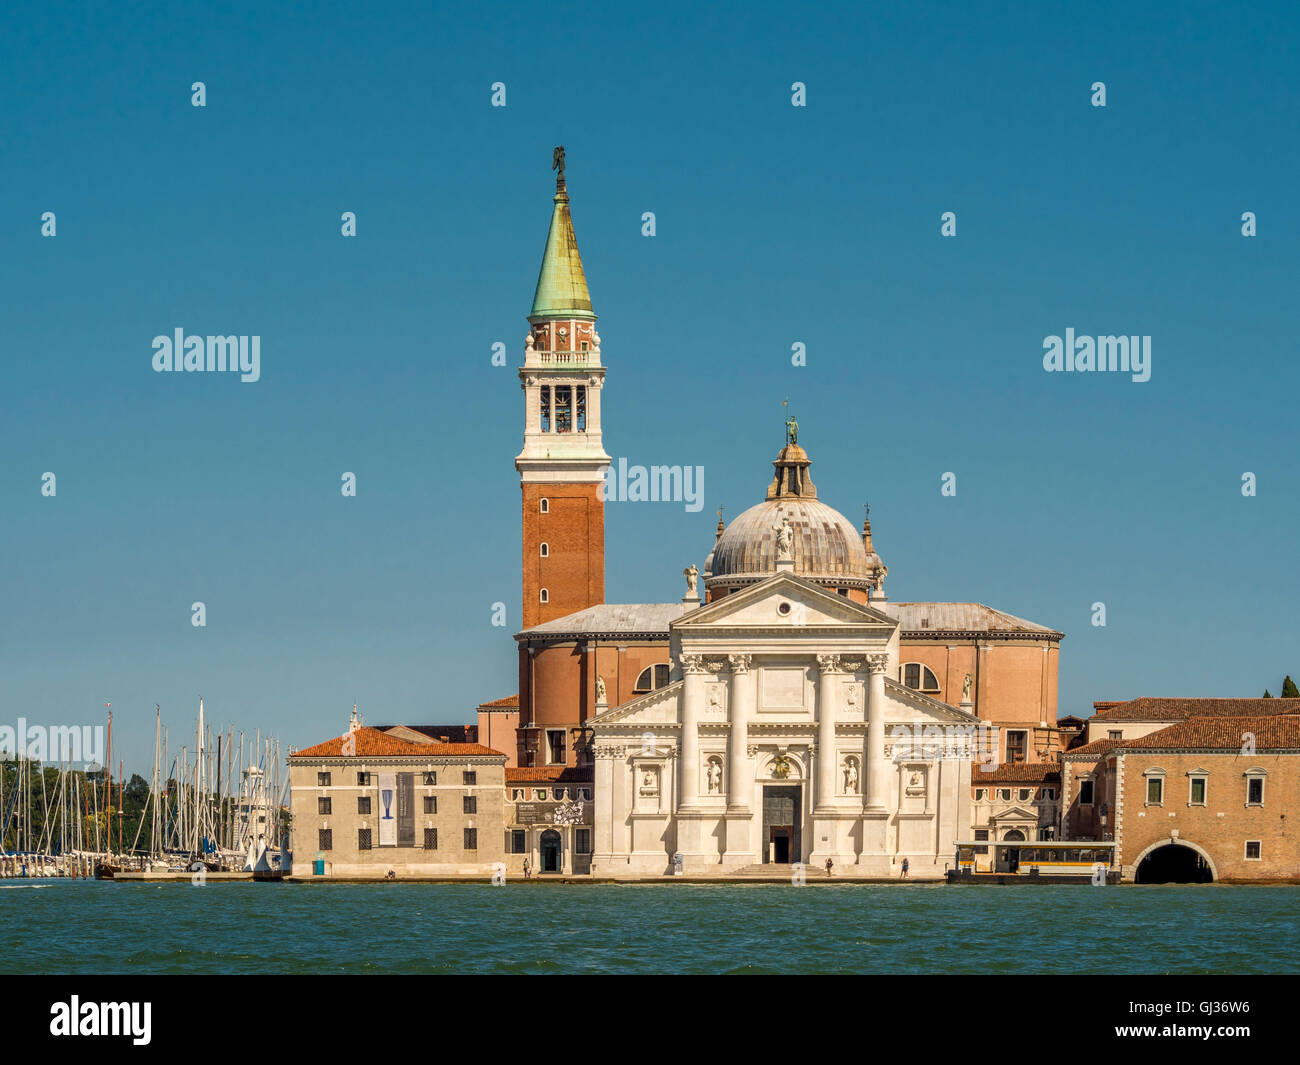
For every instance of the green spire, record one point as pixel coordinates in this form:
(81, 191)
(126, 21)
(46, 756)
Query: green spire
(561, 284)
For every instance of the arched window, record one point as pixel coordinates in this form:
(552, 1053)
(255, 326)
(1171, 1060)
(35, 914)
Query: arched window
(545, 506)
(920, 677)
(651, 677)
(545, 596)
(545, 550)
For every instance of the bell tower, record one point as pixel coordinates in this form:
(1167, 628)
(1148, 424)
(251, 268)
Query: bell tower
(562, 466)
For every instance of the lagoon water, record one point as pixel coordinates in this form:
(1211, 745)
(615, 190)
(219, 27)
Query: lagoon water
(63, 926)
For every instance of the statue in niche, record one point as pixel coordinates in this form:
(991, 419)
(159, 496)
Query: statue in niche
(715, 697)
(851, 696)
(851, 776)
(649, 783)
(600, 689)
(714, 773)
(692, 575)
(784, 540)
(965, 689)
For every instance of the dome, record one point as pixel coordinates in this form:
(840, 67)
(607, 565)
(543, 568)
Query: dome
(827, 546)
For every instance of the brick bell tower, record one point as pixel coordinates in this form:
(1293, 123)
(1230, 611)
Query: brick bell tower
(562, 466)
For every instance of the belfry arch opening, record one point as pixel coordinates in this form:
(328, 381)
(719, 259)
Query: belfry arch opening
(1174, 863)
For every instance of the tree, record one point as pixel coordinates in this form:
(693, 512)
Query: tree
(1289, 690)
(1267, 694)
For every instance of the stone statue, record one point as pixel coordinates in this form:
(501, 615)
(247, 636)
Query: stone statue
(965, 689)
(557, 161)
(600, 689)
(692, 575)
(784, 540)
(715, 776)
(851, 777)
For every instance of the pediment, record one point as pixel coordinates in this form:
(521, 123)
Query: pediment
(784, 602)
(1016, 813)
(927, 705)
(651, 708)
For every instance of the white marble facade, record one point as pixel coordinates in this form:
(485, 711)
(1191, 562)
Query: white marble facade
(781, 737)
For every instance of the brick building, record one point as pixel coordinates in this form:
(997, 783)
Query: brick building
(1199, 799)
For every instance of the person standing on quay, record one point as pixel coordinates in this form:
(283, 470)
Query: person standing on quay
(904, 868)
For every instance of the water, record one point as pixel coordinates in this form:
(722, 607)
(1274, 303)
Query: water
(61, 926)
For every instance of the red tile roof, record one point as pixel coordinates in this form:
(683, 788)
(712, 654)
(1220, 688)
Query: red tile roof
(371, 743)
(1018, 773)
(509, 702)
(1147, 709)
(1095, 749)
(548, 774)
(1223, 733)
(436, 733)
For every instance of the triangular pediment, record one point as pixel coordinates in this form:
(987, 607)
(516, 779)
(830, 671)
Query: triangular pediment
(658, 707)
(784, 602)
(929, 706)
(1016, 813)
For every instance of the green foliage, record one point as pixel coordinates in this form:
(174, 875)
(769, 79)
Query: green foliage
(1289, 690)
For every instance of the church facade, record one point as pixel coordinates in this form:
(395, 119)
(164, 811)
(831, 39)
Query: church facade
(790, 713)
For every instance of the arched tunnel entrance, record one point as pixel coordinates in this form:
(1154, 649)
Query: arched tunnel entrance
(1174, 864)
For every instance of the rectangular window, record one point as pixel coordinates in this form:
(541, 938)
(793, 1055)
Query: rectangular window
(1115, 734)
(582, 408)
(324, 806)
(363, 780)
(322, 780)
(1085, 793)
(1252, 850)
(981, 833)
(555, 747)
(1155, 791)
(363, 839)
(431, 804)
(1197, 797)
(363, 804)
(470, 804)
(518, 841)
(325, 839)
(471, 839)
(1017, 746)
(469, 777)
(912, 675)
(431, 839)
(1255, 791)
(546, 416)
(430, 780)
(582, 840)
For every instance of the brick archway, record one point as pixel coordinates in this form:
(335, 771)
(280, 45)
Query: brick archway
(1171, 841)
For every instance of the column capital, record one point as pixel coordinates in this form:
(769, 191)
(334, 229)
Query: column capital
(877, 663)
(693, 664)
(740, 663)
(828, 663)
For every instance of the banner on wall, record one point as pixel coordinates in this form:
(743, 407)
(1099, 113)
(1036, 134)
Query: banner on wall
(387, 809)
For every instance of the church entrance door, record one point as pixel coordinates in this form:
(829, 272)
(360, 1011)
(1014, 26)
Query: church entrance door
(782, 814)
(550, 844)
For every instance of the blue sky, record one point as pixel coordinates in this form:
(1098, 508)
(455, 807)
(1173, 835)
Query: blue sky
(775, 224)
